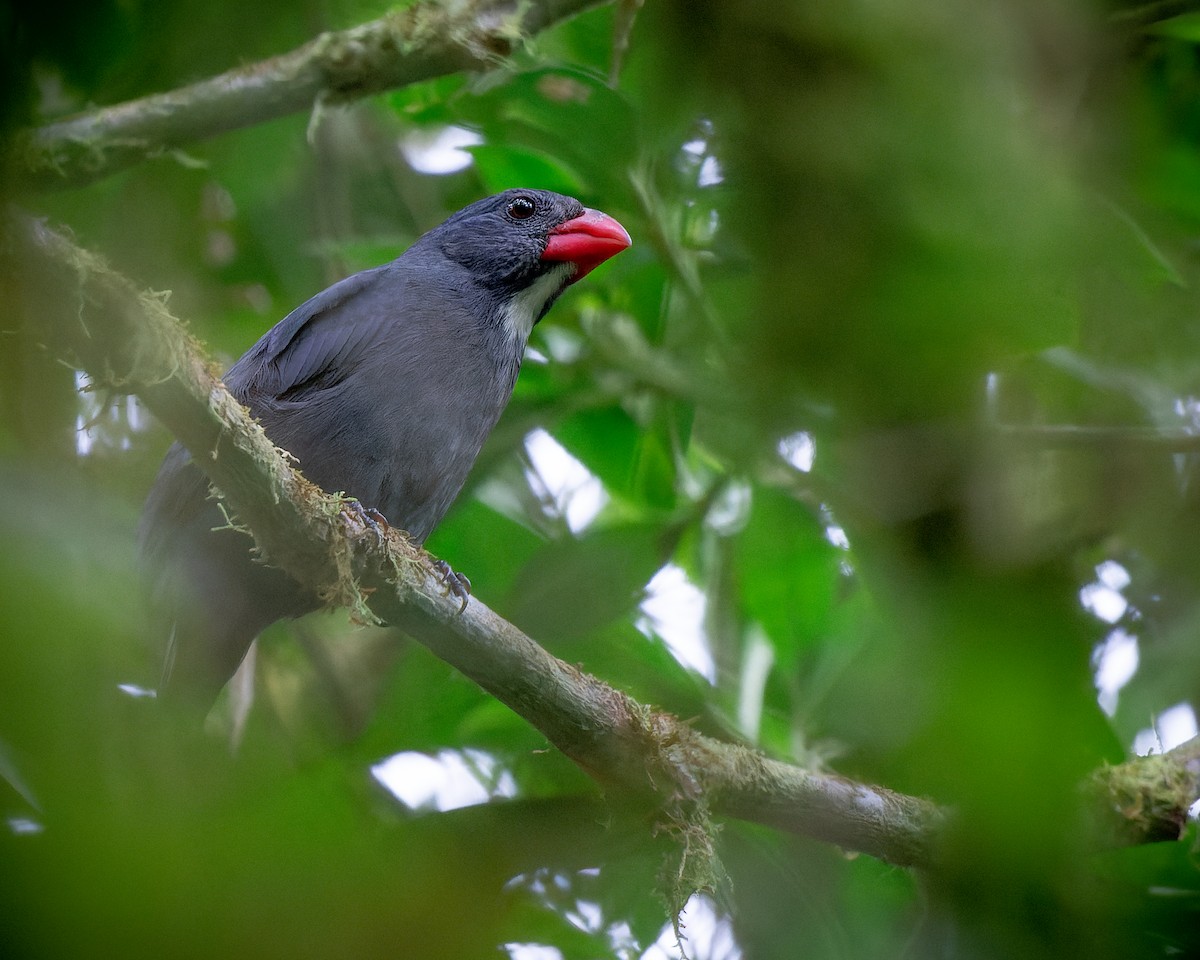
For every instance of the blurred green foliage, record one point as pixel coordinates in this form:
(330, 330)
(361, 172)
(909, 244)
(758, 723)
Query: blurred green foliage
(903, 237)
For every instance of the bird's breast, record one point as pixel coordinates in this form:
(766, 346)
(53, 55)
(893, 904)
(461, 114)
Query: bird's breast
(401, 432)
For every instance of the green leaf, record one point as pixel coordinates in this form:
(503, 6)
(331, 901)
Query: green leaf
(484, 545)
(606, 441)
(1184, 27)
(575, 585)
(562, 113)
(787, 572)
(501, 167)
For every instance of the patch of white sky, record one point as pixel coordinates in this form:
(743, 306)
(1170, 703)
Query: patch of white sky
(565, 485)
(1103, 597)
(1115, 662)
(565, 893)
(698, 153)
(443, 150)
(1171, 727)
(98, 416)
(532, 951)
(674, 611)
(731, 509)
(758, 658)
(447, 780)
(799, 450)
(439, 150)
(709, 933)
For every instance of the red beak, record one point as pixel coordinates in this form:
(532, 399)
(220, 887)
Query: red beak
(586, 241)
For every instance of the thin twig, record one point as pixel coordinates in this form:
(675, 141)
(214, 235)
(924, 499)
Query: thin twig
(1152, 13)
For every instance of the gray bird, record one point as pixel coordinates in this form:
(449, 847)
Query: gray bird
(383, 386)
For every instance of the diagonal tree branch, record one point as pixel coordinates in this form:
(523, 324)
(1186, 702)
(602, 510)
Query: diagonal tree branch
(426, 40)
(128, 341)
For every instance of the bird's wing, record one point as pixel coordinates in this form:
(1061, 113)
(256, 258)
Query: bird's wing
(179, 494)
(305, 350)
(315, 344)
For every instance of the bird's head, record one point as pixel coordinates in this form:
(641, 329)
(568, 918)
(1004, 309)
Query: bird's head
(527, 246)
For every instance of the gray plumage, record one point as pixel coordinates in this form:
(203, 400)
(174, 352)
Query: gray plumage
(383, 386)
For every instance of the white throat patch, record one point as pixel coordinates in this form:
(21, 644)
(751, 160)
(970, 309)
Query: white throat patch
(523, 309)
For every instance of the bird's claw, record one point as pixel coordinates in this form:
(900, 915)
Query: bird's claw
(457, 584)
(370, 518)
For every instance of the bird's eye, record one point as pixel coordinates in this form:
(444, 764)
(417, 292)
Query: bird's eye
(521, 208)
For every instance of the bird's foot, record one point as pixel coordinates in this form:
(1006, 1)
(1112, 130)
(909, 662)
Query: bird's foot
(369, 518)
(457, 584)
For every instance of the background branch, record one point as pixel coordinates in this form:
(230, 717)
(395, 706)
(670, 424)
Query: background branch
(420, 42)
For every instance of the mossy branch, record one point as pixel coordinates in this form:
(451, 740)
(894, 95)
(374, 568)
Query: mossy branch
(425, 40)
(128, 339)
